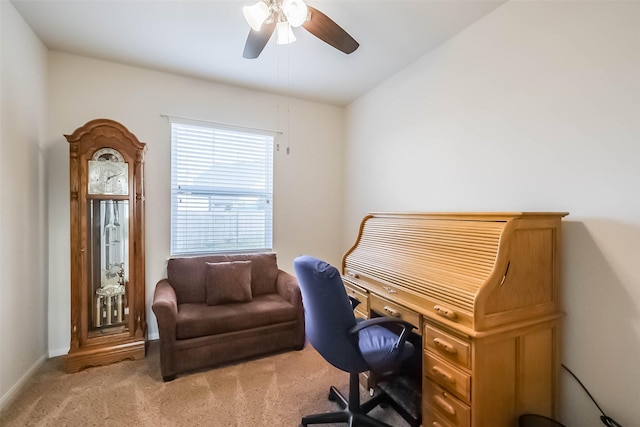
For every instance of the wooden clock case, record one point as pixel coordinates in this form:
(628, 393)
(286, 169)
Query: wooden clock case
(101, 336)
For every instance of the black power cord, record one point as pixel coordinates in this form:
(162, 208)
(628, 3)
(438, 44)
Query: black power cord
(606, 420)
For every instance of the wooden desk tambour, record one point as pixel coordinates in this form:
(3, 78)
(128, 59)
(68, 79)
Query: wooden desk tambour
(483, 290)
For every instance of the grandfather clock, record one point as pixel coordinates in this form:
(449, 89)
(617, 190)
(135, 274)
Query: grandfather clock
(108, 321)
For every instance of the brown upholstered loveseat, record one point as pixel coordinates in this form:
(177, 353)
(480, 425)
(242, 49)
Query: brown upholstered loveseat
(222, 308)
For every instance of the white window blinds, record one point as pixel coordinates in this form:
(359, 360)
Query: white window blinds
(221, 189)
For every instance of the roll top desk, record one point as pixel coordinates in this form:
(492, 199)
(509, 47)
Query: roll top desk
(483, 291)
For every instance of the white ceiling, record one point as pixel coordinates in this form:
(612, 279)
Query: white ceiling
(205, 39)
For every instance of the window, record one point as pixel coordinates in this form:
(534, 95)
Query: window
(221, 189)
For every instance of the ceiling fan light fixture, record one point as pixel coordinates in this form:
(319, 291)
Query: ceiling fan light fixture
(279, 16)
(296, 12)
(284, 33)
(256, 14)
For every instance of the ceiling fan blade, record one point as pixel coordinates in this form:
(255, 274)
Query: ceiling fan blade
(324, 28)
(257, 40)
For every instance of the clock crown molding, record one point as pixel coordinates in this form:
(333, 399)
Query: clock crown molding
(97, 128)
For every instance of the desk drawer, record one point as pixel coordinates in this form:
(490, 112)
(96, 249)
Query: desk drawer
(447, 376)
(388, 308)
(447, 346)
(430, 418)
(362, 310)
(442, 407)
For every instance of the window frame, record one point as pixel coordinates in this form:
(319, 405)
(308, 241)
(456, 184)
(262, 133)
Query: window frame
(251, 198)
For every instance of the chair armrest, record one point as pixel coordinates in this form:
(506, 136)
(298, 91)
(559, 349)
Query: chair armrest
(165, 307)
(406, 326)
(287, 287)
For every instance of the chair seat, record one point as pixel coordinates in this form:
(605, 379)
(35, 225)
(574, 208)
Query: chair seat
(378, 347)
(199, 319)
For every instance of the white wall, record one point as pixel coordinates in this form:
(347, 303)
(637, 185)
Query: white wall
(534, 107)
(23, 88)
(307, 182)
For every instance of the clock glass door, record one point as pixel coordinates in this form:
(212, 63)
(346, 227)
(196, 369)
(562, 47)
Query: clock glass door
(108, 233)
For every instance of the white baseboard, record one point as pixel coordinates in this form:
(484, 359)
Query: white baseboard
(58, 352)
(13, 391)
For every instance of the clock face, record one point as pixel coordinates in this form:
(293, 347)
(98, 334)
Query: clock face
(108, 177)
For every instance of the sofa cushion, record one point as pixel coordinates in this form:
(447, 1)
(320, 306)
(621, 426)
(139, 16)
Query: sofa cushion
(188, 275)
(228, 282)
(197, 320)
(264, 271)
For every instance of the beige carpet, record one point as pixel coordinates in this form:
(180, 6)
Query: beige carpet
(271, 391)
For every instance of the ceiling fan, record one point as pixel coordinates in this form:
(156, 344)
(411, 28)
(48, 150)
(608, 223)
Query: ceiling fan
(268, 16)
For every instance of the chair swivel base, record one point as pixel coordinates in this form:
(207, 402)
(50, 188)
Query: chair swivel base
(354, 414)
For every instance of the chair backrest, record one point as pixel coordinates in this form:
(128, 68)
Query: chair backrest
(328, 314)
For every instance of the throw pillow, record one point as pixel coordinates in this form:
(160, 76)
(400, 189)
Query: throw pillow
(228, 282)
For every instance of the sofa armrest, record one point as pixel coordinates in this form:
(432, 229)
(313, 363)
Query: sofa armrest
(165, 307)
(287, 287)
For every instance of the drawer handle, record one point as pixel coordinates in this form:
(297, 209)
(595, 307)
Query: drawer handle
(352, 274)
(390, 290)
(444, 405)
(444, 375)
(444, 345)
(445, 312)
(391, 311)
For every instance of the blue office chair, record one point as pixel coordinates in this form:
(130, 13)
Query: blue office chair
(351, 345)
